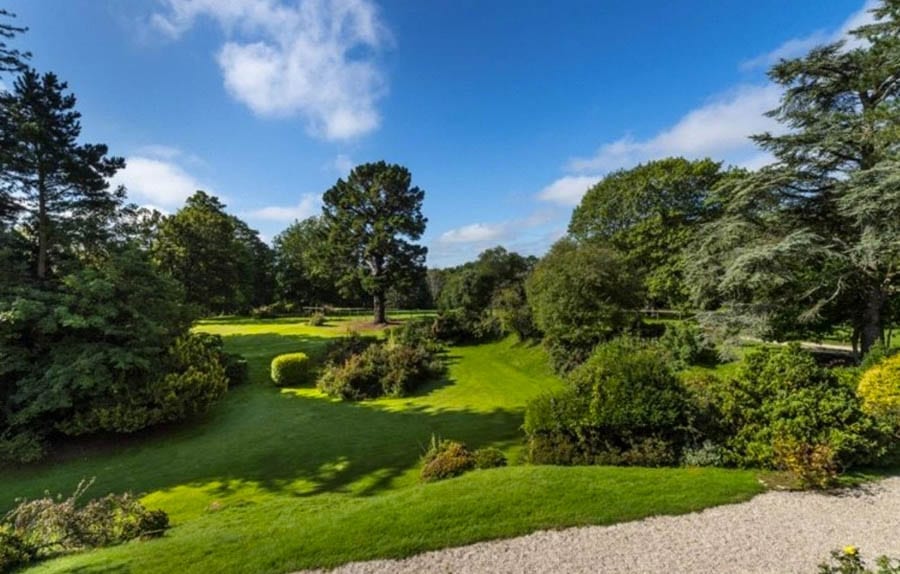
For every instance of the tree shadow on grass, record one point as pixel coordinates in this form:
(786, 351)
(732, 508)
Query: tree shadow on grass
(280, 441)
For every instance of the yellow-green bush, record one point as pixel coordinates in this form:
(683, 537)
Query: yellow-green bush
(291, 370)
(879, 389)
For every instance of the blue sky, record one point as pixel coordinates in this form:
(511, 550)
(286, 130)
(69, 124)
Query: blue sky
(504, 111)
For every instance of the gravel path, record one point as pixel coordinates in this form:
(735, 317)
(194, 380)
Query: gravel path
(776, 532)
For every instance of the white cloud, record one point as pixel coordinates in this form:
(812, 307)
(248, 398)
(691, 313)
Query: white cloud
(796, 47)
(719, 129)
(568, 190)
(309, 205)
(312, 58)
(343, 164)
(475, 233)
(157, 183)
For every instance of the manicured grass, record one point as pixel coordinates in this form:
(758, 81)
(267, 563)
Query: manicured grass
(292, 533)
(275, 479)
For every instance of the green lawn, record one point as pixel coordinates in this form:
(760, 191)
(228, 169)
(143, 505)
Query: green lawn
(274, 480)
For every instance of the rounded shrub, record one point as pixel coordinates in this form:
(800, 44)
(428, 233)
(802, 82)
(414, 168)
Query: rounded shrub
(879, 389)
(624, 406)
(446, 459)
(317, 319)
(291, 370)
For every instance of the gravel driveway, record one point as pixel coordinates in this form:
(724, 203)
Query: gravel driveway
(776, 532)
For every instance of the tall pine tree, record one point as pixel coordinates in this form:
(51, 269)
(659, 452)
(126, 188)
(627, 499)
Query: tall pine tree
(372, 218)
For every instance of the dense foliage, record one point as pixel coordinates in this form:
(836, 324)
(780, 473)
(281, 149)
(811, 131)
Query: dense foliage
(651, 214)
(879, 389)
(581, 294)
(811, 241)
(373, 217)
(369, 369)
(291, 370)
(223, 264)
(624, 406)
(783, 410)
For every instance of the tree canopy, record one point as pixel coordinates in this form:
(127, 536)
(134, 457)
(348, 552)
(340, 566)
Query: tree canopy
(54, 186)
(814, 240)
(222, 263)
(651, 213)
(373, 217)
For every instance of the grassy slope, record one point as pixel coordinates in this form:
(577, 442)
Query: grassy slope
(281, 472)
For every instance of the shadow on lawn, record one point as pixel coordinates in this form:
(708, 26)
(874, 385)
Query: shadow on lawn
(271, 438)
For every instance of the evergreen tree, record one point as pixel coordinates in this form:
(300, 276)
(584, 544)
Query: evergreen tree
(814, 239)
(49, 182)
(11, 59)
(372, 218)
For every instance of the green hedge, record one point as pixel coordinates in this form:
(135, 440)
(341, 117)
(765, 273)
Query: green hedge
(291, 370)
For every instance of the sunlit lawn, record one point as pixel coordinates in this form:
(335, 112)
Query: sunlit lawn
(274, 480)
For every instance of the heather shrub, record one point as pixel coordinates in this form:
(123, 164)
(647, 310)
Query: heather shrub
(382, 368)
(489, 457)
(446, 459)
(291, 370)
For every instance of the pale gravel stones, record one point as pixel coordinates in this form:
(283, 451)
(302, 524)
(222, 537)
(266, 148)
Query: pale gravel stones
(776, 532)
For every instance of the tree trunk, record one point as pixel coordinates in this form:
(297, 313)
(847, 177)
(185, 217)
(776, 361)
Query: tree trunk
(42, 229)
(872, 332)
(380, 313)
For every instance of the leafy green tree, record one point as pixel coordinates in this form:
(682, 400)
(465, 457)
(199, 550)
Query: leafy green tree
(473, 285)
(221, 262)
(581, 293)
(256, 262)
(372, 218)
(814, 239)
(54, 186)
(303, 271)
(11, 59)
(96, 336)
(651, 213)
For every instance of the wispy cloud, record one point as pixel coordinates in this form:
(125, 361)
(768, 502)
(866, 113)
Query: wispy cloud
(343, 164)
(309, 205)
(312, 58)
(476, 233)
(796, 47)
(568, 190)
(720, 128)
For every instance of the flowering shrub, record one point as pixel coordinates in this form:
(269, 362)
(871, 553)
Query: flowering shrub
(848, 561)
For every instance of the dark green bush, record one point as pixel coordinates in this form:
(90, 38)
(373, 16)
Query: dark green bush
(194, 382)
(384, 368)
(291, 370)
(446, 459)
(624, 406)
(782, 410)
(489, 457)
(23, 447)
(463, 327)
(688, 345)
(342, 348)
(237, 370)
